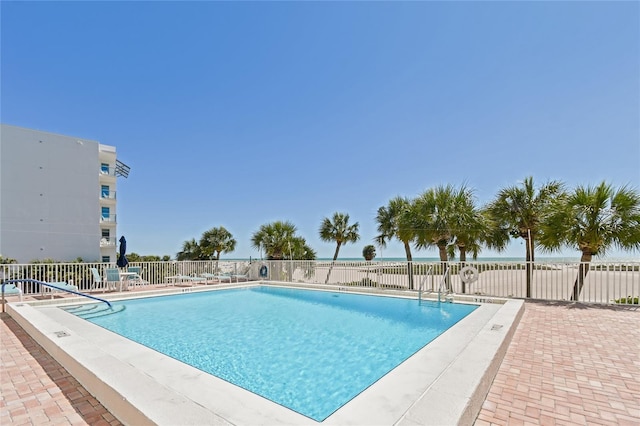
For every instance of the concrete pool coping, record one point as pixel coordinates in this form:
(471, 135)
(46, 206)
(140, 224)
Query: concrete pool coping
(444, 383)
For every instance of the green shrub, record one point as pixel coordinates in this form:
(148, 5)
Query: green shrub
(628, 300)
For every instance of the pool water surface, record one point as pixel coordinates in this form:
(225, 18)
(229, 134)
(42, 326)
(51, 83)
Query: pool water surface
(310, 351)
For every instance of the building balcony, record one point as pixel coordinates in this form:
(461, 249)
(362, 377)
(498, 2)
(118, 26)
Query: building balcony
(107, 242)
(108, 219)
(110, 195)
(111, 172)
(120, 169)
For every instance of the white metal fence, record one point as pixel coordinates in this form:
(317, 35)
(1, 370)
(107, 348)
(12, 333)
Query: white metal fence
(605, 282)
(152, 273)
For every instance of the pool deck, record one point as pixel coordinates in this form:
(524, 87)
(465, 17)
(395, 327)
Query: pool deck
(567, 364)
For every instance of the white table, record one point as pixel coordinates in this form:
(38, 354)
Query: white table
(124, 277)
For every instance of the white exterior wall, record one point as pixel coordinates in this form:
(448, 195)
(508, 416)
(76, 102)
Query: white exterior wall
(50, 196)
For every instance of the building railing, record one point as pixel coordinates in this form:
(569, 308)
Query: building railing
(108, 219)
(604, 282)
(111, 195)
(107, 242)
(111, 171)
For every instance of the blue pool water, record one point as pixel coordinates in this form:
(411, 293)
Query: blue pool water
(310, 351)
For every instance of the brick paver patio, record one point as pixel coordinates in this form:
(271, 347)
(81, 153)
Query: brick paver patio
(36, 390)
(567, 364)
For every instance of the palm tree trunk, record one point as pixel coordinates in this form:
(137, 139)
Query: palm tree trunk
(407, 250)
(529, 263)
(335, 256)
(583, 270)
(442, 250)
(463, 259)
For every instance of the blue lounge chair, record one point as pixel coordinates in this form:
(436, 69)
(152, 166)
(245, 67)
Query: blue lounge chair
(216, 278)
(185, 279)
(98, 282)
(12, 290)
(61, 286)
(240, 277)
(136, 278)
(113, 279)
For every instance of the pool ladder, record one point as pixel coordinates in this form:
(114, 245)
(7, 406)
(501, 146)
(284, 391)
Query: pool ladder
(420, 287)
(444, 282)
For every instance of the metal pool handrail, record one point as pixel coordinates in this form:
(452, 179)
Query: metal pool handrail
(420, 288)
(29, 280)
(443, 281)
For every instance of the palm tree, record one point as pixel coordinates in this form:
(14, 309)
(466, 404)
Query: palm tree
(279, 241)
(274, 238)
(592, 219)
(468, 225)
(190, 251)
(369, 252)
(472, 228)
(300, 250)
(338, 229)
(435, 218)
(216, 241)
(394, 221)
(520, 210)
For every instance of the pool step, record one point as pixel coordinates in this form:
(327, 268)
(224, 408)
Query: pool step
(93, 311)
(80, 308)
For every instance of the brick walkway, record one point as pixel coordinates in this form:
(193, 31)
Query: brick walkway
(567, 364)
(36, 390)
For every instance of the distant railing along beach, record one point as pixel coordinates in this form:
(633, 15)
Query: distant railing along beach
(604, 282)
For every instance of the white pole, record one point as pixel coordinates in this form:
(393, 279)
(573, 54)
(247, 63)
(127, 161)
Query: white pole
(290, 263)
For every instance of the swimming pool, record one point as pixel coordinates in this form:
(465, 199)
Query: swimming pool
(310, 351)
(445, 382)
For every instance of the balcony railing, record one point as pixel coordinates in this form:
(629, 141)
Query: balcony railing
(106, 242)
(108, 219)
(111, 171)
(111, 195)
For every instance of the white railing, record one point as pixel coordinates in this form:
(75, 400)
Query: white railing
(108, 219)
(152, 273)
(111, 171)
(111, 195)
(106, 242)
(605, 282)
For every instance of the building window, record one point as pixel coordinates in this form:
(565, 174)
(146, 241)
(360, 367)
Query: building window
(105, 191)
(105, 233)
(106, 259)
(104, 168)
(105, 214)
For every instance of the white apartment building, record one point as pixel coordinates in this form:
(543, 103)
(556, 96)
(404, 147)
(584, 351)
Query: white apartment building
(57, 196)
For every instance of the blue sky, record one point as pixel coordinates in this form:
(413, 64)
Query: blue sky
(237, 114)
